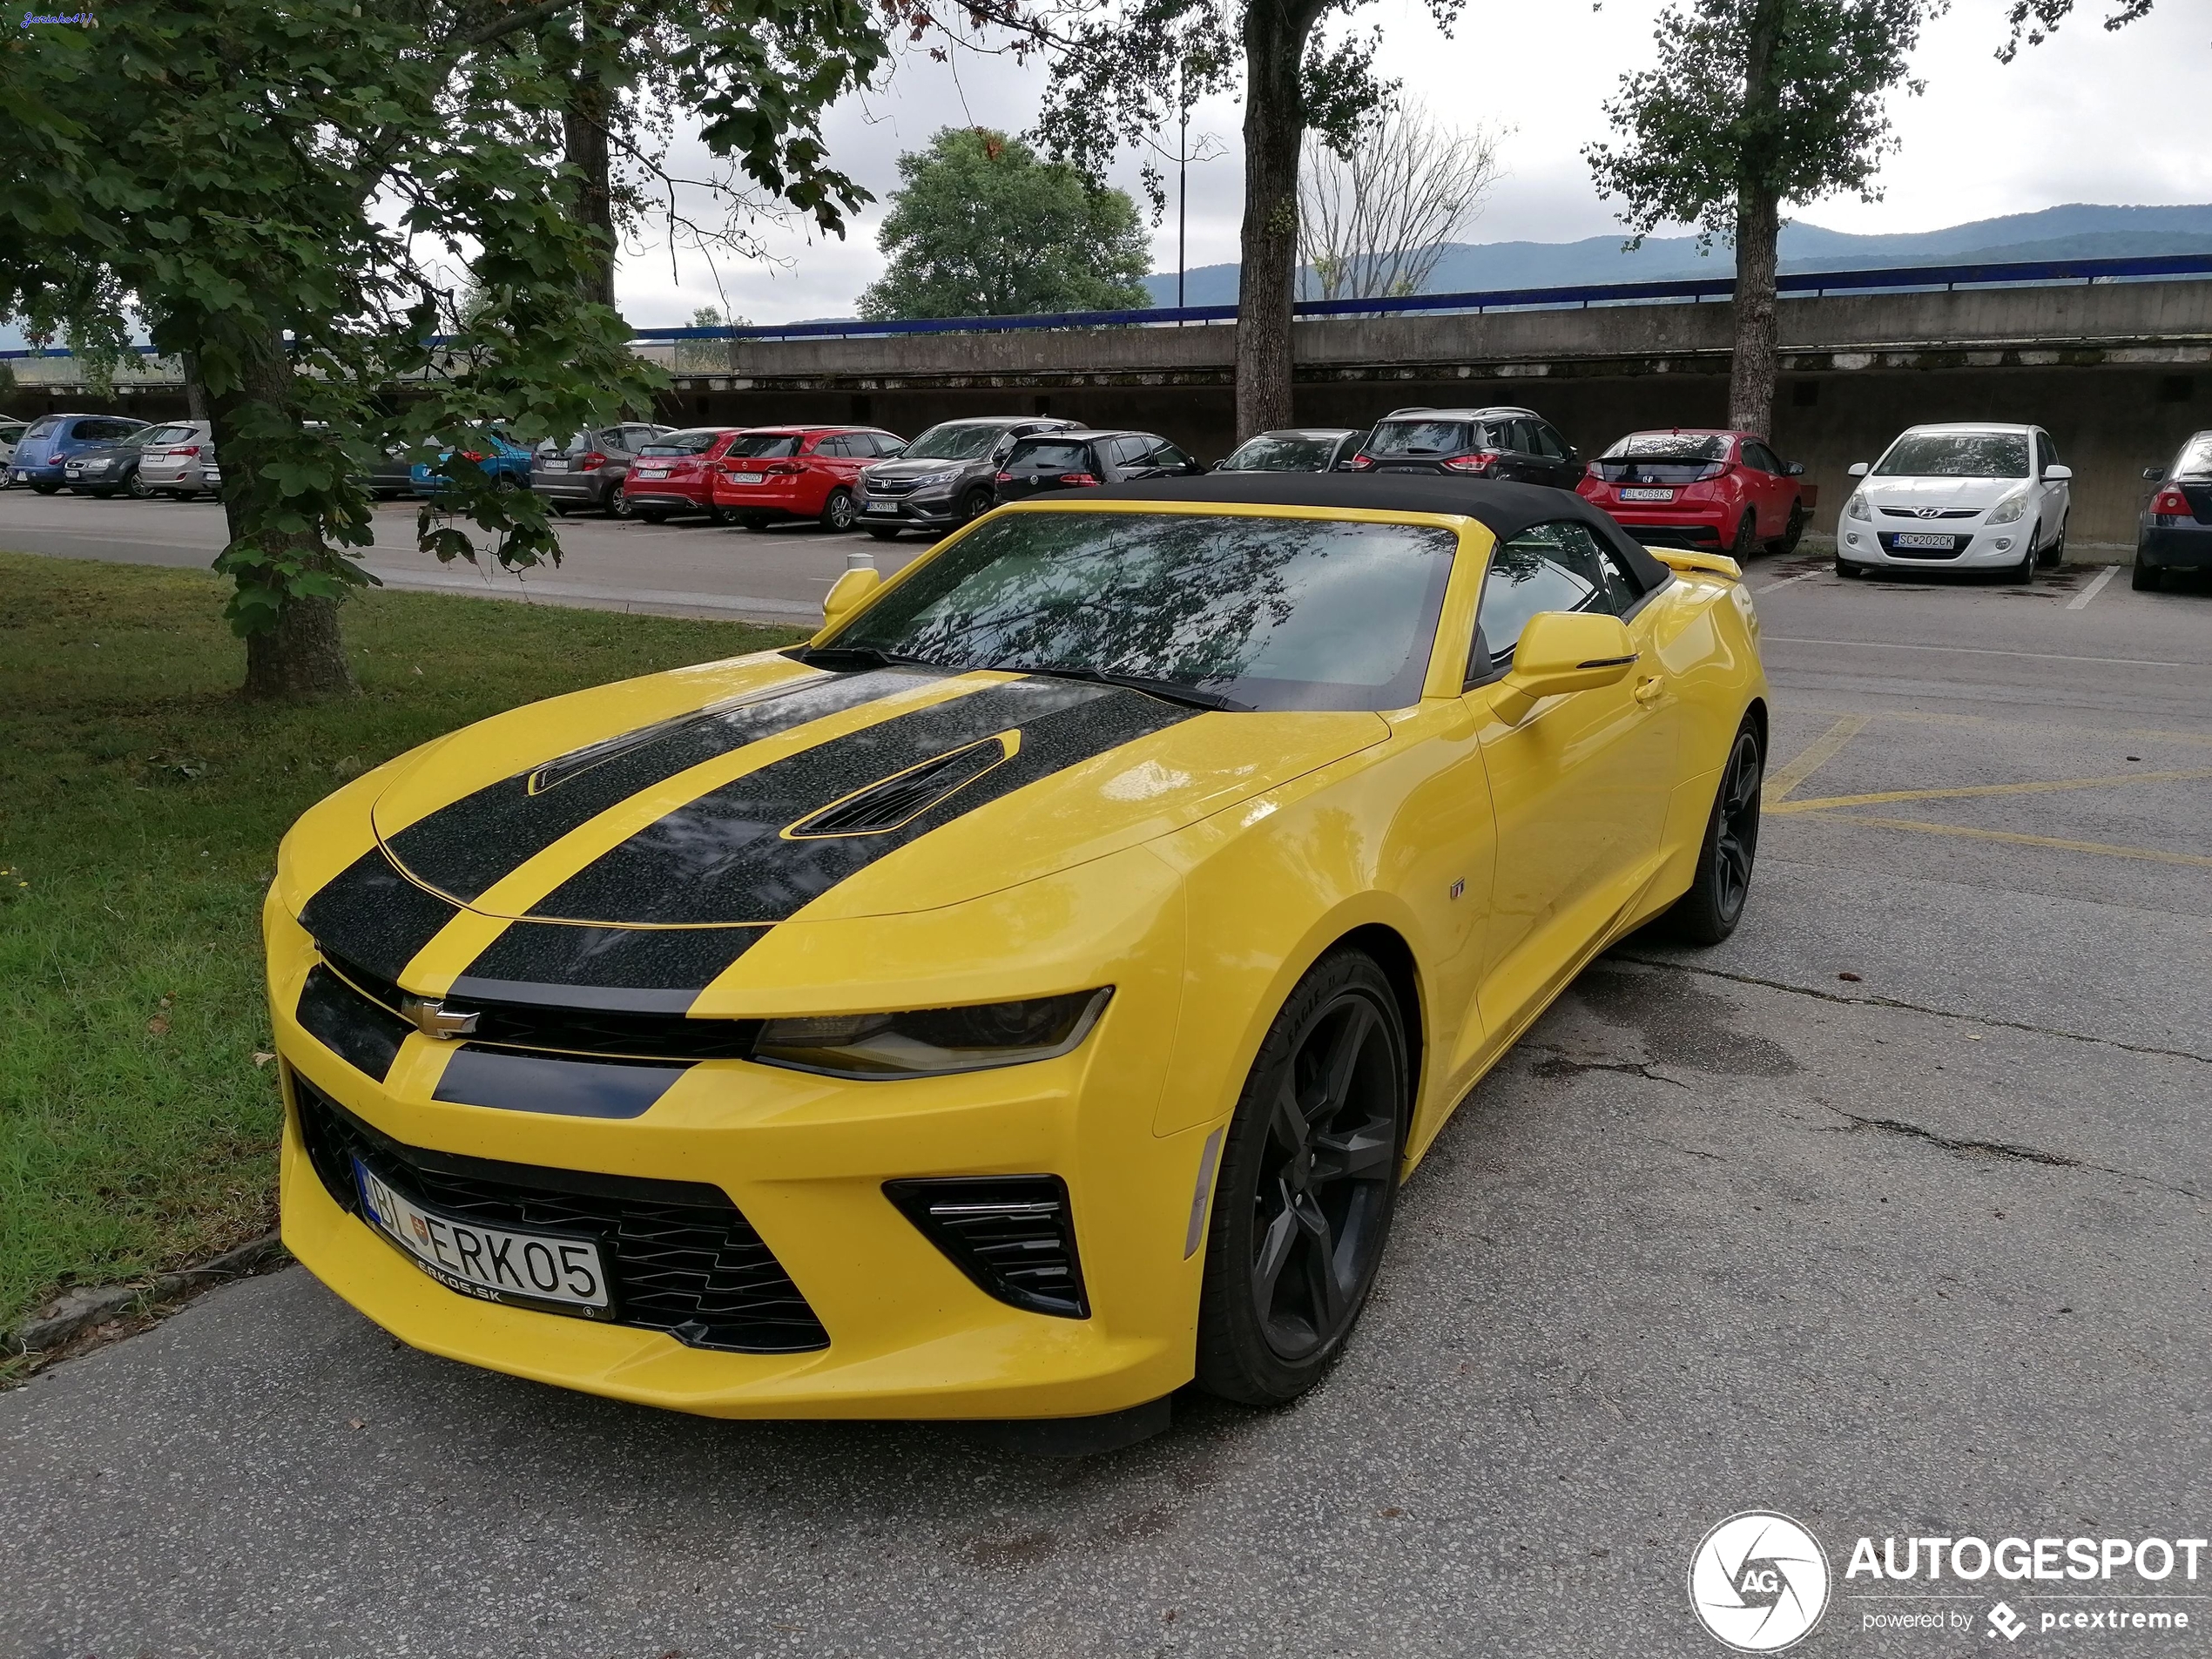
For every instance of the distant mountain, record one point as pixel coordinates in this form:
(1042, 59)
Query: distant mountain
(2075, 232)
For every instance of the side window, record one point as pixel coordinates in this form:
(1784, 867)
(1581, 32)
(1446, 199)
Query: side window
(2050, 450)
(1758, 457)
(1547, 567)
(838, 447)
(1549, 442)
(1126, 452)
(1166, 454)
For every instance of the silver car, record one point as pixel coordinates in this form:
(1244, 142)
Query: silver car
(10, 430)
(179, 460)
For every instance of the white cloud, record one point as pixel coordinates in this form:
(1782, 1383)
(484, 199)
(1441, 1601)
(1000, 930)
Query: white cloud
(2088, 116)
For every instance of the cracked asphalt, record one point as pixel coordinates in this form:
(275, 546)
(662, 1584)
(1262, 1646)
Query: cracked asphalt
(1890, 1214)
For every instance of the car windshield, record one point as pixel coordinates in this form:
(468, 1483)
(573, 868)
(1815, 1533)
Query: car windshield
(2196, 459)
(1269, 612)
(765, 446)
(1283, 452)
(1035, 456)
(1956, 455)
(955, 440)
(1413, 438)
(696, 443)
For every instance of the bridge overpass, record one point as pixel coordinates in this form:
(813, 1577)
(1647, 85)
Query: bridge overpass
(2114, 358)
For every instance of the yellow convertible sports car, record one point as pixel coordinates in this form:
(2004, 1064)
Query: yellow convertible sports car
(1027, 997)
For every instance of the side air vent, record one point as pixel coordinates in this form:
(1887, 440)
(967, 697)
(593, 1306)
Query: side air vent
(1013, 1234)
(907, 795)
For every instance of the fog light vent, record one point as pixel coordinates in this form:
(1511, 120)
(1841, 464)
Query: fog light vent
(1013, 1234)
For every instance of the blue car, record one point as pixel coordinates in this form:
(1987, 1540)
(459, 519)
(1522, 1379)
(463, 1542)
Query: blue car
(41, 454)
(508, 462)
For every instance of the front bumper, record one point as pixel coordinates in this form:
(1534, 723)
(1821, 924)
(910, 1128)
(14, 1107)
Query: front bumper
(1974, 546)
(2175, 546)
(804, 1158)
(910, 512)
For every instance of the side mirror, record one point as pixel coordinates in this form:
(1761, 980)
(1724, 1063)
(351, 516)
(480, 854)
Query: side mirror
(1560, 651)
(1857, 469)
(2057, 474)
(1795, 469)
(850, 591)
(2156, 474)
(891, 452)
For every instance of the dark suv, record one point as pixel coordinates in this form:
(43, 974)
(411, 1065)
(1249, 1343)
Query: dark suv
(1085, 459)
(1472, 443)
(588, 472)
(945, 477)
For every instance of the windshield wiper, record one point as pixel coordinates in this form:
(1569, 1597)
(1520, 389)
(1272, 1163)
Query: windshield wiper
(1167, 691)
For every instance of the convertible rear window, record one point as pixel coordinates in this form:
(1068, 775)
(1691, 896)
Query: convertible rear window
(1956, 455)
(1269, 612)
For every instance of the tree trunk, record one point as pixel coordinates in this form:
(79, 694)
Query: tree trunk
(1275, 40)
(302, 654)
(1759, 229)
(584, 137)
(1750, 381)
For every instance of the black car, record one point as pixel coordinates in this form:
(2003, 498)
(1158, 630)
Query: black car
(2175, 532)
(1297, 449)
(1085, 459)
(587, 472)
(945, 476)
(111, 465)
(1473, 444)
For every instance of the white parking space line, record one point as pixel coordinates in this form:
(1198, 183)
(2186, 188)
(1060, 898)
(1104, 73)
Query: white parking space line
(1984, 650)
(2081, 600)
(1804, 576)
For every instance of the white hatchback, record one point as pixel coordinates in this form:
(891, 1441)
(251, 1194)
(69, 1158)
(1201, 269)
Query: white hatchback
(1972, 496)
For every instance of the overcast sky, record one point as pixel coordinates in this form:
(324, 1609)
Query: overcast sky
(2088, 116)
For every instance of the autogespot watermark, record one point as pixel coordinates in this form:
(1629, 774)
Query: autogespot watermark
(1759, 1582)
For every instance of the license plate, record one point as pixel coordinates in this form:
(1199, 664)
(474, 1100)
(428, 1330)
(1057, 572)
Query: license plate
(891, 507)
(1647, 494)
(494, 1263)
(652, 472)
(745, 477)
(553, 465)
(1908, 539)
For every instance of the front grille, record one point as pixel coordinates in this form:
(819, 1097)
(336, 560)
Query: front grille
(683, 1260)
(1914, 512)
(561, 1030)
(1013, 1234)
(891, 486)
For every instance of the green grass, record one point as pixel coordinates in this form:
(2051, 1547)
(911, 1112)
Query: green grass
(141, 802)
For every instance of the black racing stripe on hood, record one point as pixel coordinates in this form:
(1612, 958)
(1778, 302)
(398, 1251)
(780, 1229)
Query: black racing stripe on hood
(613, 970)
(723, 859)
(368, 912)
(463, 848)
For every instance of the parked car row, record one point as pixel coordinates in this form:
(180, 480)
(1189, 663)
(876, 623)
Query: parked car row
(1972, 495)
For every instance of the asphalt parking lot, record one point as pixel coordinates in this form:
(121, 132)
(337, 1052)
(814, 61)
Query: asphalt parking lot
(1890, 1214)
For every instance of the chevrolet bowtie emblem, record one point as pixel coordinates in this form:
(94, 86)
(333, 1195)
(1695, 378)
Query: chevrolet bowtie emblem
(428, 1015)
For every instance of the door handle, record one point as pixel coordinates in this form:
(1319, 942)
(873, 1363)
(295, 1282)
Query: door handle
(1650, 689)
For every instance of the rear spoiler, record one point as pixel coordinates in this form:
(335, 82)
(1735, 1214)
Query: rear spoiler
(1684, 559)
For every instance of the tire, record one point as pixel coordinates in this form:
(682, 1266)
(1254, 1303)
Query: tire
(756, 522)
(138, 488)
(725, 517)
(2052, 556)
(1747, 538)
(1848, 569)
(1308, 1186)
(883, 532)
(653, 515)
(508, 481)
(1709, 912)
(47, 489)
(617, 505)
(1792, 533)
(2024, 572)
(974, 504)
(838, 512)
(2146, 578)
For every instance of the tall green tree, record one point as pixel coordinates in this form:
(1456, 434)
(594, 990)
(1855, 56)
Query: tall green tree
(981, 227)
(279, 188)
(1754, 103)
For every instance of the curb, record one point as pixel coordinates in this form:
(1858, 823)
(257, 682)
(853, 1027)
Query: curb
(79, 1311)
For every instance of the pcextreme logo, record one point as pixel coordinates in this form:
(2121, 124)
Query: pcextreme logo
(1759, 1581)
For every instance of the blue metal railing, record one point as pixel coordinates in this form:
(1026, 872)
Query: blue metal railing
(1897, 278)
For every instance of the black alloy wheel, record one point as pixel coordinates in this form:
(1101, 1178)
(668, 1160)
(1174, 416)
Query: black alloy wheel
(974, 504)
(1792, 533)
(1747, 538)
(1709, 912)
(1308, 1185)
(838, 512)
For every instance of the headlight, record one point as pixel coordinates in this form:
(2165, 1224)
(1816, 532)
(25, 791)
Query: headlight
(2008, 510)
(932, 481)
(1857, 507)
(926, 1042)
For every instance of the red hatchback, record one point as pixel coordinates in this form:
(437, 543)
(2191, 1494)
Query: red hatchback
(674, 473)
(1726, 490)
(774, 472)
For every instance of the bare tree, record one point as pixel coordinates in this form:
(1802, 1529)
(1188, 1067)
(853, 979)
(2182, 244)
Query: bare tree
(1374, 222)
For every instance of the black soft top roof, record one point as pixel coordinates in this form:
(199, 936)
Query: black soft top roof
(1505, 509)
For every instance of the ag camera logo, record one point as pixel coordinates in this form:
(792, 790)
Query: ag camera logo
(1759, 1581)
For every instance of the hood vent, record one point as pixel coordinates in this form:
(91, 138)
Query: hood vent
(906, 796)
